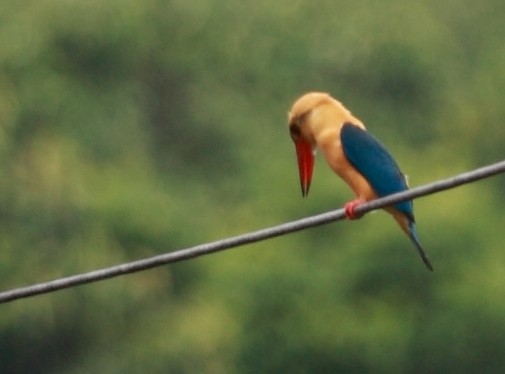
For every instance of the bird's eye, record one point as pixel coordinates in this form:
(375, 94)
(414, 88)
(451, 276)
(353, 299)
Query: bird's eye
(294, 131)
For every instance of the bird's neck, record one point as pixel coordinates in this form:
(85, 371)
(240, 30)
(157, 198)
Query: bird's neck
(327, 121)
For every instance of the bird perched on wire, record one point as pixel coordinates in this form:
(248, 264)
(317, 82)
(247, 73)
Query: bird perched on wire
(318, 121)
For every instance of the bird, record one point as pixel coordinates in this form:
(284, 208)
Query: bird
(319, 121)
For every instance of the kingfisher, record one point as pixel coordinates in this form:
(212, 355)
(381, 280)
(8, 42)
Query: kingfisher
(318, 121)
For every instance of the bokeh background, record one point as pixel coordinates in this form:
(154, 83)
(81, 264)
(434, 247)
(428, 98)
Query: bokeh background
(129, 128)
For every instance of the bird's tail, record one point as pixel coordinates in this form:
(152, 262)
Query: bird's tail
(409, 227)
(413, 237)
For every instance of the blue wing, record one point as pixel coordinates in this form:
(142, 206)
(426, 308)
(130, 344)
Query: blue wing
(375, 163)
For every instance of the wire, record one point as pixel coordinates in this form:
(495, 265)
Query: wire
(251, 237)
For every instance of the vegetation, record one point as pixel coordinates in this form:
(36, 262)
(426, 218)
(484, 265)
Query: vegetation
(131, 128)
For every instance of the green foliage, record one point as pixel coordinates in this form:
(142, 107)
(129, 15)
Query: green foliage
(130, 128)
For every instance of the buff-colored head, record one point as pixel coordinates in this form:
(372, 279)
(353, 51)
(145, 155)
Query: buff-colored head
(300, 113)
(314, 117)
(317, 112)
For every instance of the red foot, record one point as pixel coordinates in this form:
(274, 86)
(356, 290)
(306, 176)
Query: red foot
(349, 209)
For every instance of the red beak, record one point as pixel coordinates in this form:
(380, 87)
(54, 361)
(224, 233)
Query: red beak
(305, 156)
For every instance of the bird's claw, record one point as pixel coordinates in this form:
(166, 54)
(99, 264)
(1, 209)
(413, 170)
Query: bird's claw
(350, 207)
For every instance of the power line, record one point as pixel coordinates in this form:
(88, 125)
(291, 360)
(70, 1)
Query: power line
(251, 237)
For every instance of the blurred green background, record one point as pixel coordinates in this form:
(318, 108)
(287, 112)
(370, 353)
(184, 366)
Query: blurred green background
(129, 128)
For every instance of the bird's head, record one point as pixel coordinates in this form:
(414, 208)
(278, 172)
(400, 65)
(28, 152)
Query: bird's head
(302, 134)
(315, 120)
